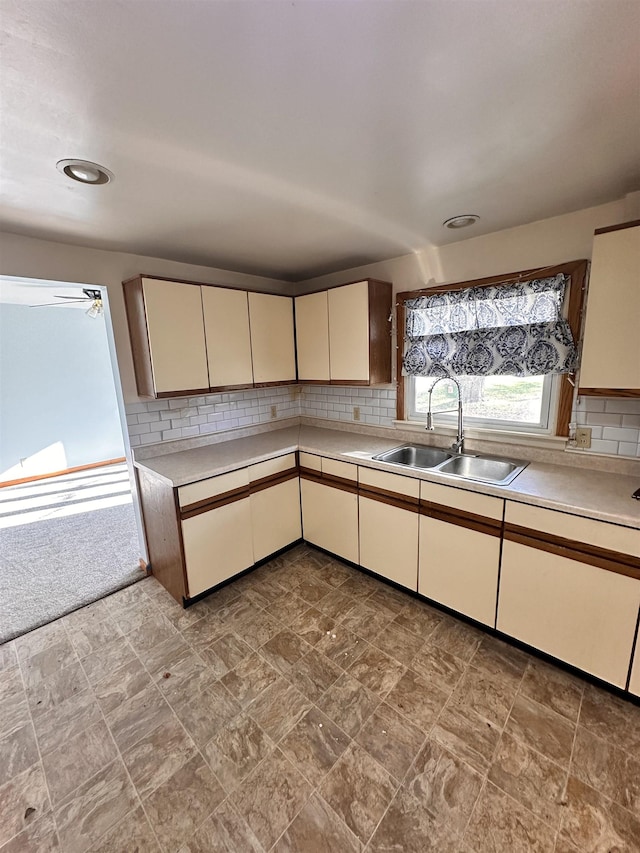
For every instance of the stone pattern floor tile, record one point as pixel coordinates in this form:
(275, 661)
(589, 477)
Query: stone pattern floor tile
(304, 707)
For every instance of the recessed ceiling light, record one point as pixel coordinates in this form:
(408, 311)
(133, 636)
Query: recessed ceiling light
(84, 171)
(461, 221)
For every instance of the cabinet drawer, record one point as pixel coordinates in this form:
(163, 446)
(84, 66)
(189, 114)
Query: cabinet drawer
(340, 469)
(271, 466)
(311, 461)
(472, 502)
(602, 534)
(214, 486)
(370, 477)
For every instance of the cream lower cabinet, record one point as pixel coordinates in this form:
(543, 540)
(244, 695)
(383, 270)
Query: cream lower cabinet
(389, 521)
(460, 550)
(553, 598)
(634, 681)
(330, 506)
(275, 510)
(216, 545)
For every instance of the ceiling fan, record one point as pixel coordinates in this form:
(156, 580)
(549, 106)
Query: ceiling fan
(93, 296)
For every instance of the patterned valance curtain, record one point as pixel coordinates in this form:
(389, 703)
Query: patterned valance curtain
(514, 329)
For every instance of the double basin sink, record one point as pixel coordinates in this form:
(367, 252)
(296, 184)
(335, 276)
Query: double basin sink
(484, 469)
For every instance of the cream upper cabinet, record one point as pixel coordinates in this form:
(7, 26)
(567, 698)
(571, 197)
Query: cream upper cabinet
(312, 336)
(272, 338)
(226, 323)
(611, 346)
(349, 332)
(357, 348)
(167, 332)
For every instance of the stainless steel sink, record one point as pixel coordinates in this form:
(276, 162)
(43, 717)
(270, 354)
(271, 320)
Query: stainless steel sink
(414, 456)
(499, 472)
(484, 469)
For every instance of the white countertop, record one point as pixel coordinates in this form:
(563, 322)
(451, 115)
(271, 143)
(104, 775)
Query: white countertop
(594, 494)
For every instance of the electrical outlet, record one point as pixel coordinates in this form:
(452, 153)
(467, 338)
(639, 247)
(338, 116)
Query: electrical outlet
(356, 413)
(583, 437)
(274, 411)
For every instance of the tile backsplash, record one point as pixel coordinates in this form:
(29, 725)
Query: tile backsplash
(336, 402)
(185, 417)
(615, 422)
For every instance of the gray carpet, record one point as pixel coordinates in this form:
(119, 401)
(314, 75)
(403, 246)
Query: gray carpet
(64, 543)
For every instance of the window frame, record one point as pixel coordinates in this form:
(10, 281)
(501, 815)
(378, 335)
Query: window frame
(565, 388)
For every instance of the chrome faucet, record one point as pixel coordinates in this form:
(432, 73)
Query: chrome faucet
(458, 444)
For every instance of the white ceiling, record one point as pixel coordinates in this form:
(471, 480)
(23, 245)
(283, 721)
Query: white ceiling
(296, 138)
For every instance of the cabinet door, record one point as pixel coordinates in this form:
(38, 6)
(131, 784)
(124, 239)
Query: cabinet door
(459, 568)
(272, 339)
(226, 324)
(389, 541)
(578, 613)
(312, 336)
(634, 683)
(275, 518)
(611, 349)
(217, 545)
(176, 336)
(349, 332)
(330, 518)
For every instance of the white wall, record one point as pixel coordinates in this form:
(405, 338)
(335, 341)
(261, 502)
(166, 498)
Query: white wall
(26, 257)
(57, 394)
(543, 243)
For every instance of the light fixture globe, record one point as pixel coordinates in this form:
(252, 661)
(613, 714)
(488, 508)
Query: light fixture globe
(85, 172)
(461, 221)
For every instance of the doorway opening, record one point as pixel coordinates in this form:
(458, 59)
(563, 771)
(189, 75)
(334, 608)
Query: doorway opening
(70, 529)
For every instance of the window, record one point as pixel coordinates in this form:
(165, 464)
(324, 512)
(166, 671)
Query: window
(515, 403)
(508, 340)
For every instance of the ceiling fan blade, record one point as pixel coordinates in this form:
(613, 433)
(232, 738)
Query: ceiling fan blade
(71, 298)
(56, 304)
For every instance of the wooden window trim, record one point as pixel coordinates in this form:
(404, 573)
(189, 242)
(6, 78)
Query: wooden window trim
(577, 270)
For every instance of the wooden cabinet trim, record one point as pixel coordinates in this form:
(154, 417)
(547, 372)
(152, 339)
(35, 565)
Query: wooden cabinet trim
(620, 227)
(582, 552)
(220, 388)
(391, 498)
(163, 533)
(380, 309)
(219, 500)
(461, 518)
(138, 335)
(273, 480)
(329, 480)
(609, 392)
(191, 392)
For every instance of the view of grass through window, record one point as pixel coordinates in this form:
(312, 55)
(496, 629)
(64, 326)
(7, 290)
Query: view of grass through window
(505, 398)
